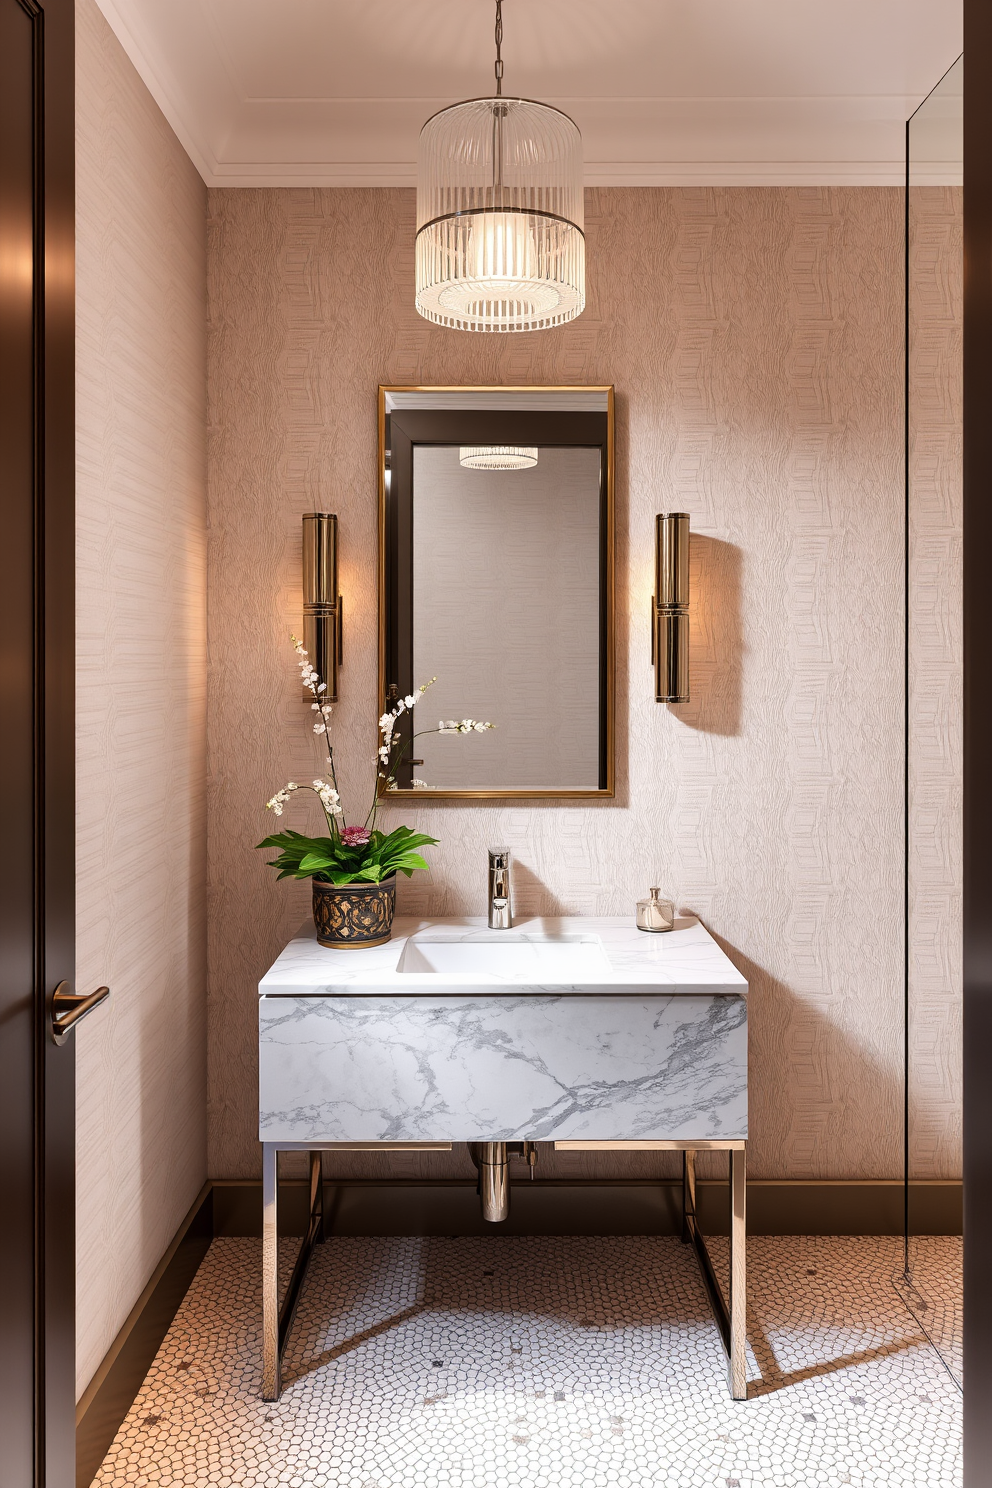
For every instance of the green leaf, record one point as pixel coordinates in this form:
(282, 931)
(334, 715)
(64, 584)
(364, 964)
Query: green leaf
(409, 862)
(301, 856)
(404, 837)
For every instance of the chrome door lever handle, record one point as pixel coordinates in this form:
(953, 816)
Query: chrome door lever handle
(68, 1007)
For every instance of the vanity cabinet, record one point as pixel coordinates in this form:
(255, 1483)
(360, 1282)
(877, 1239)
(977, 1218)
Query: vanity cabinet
(586, 1033)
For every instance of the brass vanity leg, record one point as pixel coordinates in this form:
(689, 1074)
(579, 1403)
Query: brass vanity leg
(688, 1194)
(317, 1196)
(271, 1382)
(738, 1277)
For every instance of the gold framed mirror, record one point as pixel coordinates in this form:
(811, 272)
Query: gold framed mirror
(496, 577)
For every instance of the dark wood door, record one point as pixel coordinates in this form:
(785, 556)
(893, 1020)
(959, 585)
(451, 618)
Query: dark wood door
(36, 746)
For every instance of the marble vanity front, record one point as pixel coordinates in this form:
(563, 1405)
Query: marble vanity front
(605, 1033)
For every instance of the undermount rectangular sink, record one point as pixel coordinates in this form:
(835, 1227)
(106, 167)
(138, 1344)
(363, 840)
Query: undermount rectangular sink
(541, 958)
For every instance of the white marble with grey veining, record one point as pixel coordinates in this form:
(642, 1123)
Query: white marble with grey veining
(686, 959)
(351, 1050)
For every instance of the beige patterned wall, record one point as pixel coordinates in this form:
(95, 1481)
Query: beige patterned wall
(936, 634)
(141, 682)
(755, 340)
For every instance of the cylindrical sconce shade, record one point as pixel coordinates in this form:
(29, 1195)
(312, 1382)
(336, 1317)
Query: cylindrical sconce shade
(320, 558)
(671, 656)
(671, 589)
(670, 609)
(321, 601)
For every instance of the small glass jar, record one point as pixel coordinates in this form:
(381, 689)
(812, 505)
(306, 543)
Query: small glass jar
(655, 914)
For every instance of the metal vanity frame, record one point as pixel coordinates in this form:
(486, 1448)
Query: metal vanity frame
(729, 1312)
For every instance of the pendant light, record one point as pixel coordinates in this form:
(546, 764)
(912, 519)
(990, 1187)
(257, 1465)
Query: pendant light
(500, 242)
(497, 457)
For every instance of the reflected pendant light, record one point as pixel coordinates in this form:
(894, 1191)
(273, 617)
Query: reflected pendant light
(497, 457)
(500, 242)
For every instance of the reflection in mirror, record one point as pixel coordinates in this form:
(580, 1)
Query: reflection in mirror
(496, 572)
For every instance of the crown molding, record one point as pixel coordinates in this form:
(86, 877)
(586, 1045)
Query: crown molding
(597, 173)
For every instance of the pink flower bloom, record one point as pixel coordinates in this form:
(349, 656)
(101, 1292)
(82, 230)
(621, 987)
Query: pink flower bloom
(355, 836)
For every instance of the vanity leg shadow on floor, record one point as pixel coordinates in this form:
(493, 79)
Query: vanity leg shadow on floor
(729, 1305)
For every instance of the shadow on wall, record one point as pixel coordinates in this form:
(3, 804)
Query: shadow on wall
(716, 638)
(839, 1093)
(532, 898)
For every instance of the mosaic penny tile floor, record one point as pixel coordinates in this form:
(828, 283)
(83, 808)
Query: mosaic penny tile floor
(544, 1362)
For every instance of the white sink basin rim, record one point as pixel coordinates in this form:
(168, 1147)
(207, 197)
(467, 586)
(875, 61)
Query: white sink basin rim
(519, 958)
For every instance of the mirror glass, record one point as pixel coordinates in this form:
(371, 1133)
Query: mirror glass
(496, 573)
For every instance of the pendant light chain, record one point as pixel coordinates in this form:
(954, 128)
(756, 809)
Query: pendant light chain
(499, 113)
(499, 46)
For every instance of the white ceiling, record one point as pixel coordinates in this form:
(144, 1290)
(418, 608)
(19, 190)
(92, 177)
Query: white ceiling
(333, 92)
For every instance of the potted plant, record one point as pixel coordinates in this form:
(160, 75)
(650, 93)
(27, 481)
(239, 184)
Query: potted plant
(353, 868)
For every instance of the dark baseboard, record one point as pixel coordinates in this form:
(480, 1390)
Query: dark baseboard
(561, 1207)
(552, 1207)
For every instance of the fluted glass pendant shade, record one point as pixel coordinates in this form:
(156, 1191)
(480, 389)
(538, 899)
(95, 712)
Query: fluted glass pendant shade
(497, 457)
(500, 244)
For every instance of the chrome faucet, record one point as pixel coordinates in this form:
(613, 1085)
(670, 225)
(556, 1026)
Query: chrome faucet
(499, 888)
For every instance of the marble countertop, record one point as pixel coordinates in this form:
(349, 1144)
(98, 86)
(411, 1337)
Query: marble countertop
(686, 959)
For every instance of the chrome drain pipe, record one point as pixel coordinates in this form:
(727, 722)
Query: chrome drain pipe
(493, 1162)
(494, 1179)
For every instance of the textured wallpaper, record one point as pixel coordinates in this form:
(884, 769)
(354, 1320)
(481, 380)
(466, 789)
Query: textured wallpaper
(936, 635)
(755, 340)
(141, 683)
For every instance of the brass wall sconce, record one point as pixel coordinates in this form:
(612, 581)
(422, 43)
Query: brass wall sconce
(670, 608)
(321, 600)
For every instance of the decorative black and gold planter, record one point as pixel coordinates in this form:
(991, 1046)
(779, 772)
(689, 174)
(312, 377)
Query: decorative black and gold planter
(354, 915)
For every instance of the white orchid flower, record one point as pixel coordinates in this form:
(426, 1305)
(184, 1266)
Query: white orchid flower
(280, 798)
(325, 789)
(467, 726)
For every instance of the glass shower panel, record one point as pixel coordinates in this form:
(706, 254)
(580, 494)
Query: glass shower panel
(932, 1282)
